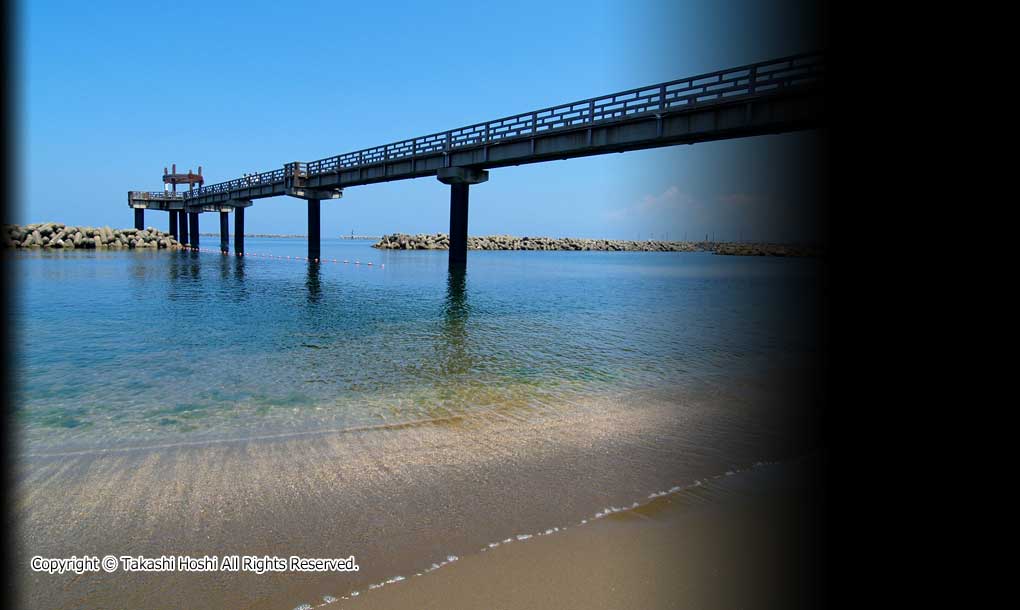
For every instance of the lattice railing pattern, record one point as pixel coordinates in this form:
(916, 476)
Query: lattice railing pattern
(261, 179)
(714, 87)
(156, 195)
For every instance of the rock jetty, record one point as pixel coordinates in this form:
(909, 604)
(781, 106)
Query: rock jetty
(756, 249)
(440, 241)
(56, 235)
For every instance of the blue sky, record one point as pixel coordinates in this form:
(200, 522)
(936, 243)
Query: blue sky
(111, 92)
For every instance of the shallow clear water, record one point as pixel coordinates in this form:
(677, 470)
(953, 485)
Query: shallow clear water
(125, 348)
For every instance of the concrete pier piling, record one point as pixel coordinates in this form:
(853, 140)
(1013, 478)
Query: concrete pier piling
(224, 232)
(193, 229)
(314, 197)
(460, 180)
(182, 226)
(458, 224)
(139, 218)
(239, 230)
(314, 252)
(173, 225)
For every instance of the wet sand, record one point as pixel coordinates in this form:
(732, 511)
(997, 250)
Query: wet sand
(399, 498)
(749, 541)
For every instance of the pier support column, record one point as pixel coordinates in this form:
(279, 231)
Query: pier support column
(313, 230)
(182, 225)
(460, 180)
(314, 197)
(224, 232)
(173, 225)
(458, 224)
(193, 229)
(139, 218)
(239, 230)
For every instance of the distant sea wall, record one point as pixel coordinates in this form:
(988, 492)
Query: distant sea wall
(440, 241)
(56, 235)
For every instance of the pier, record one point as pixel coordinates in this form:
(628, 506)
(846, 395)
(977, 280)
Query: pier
(771, 97)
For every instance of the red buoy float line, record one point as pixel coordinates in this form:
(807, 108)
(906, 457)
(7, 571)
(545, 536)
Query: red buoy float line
(280, 257)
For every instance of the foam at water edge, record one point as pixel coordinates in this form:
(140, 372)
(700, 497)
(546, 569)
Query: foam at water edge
(523, 537)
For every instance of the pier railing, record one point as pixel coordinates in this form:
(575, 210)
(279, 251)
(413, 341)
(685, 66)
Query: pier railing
(156, 195)
(722, 86)
(263, 178)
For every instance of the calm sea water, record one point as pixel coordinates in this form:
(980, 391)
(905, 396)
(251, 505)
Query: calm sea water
(124, 348)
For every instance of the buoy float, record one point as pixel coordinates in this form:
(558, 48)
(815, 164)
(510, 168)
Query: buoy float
(281, 257)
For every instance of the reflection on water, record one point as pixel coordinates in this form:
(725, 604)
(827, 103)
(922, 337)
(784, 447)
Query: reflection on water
(314, 282)
(238, 268)
(125, 347)
(453, 352)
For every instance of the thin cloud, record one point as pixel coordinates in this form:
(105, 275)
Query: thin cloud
(738, 199)
(668, 200)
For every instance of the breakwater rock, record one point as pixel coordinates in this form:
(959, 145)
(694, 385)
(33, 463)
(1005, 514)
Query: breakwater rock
(440, 241)
(56, 235)
(754, 249)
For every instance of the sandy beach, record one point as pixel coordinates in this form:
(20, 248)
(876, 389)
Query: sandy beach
(399, 498)
(744, 541)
